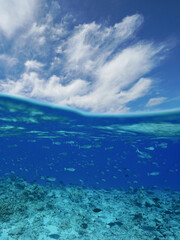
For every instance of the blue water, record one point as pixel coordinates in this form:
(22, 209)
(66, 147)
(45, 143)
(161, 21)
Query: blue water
(47, 144)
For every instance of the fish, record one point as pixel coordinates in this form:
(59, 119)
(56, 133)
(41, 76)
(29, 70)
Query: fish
(70, 169)
(85, 146)
(143, 154)
(153, 173)
(51, 179)
(150, 148)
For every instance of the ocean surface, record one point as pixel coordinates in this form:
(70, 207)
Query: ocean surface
(71, 160)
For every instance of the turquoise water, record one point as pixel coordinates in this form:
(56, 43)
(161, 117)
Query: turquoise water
(44, 143)
(67, 175)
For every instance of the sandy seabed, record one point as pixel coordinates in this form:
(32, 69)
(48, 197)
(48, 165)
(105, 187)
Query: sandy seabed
(34, 212)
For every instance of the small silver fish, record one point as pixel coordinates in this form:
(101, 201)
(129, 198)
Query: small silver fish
(150, 148)
(69, 169)
(153, 173)
(51, 179)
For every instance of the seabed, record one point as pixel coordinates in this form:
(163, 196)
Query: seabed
(29, 211)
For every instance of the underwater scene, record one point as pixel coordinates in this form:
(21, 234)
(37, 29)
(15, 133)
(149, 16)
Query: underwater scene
(66, 174)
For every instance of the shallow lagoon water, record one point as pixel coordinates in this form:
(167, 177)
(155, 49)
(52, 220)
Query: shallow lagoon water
(75, 175)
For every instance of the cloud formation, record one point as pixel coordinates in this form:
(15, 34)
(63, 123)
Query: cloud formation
(89, 66)
(155, 101)
(33, 65)
(15, 14)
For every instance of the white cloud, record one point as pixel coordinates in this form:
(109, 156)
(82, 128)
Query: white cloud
(116, 77)
(15, 14)
(59, 50)
(138, 90)
(126, 67)
(32, 39)
(41, 38)
(37, 29)
(106, 100)
(33, 65)
(92, 44)
(37, 33)
(155, 101)
(8, 60)
(93, 67)
(31, 85)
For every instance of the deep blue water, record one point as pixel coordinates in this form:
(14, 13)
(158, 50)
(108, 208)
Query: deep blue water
(47, 144)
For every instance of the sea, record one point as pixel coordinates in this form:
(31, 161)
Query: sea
(67, 174)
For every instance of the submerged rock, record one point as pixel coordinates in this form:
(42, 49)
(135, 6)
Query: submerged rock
(84, 225)
(54, 236)
(119, 224)
(138, 216)
(148, 228)
(6, 210)
(16, 231)
(96, 210)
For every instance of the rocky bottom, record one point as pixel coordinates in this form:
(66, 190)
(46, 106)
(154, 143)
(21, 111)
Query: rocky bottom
(33, 212)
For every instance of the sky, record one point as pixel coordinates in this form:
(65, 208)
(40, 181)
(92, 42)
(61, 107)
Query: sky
(102, 56)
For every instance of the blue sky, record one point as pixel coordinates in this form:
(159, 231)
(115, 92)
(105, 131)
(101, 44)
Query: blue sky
(105, 56)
